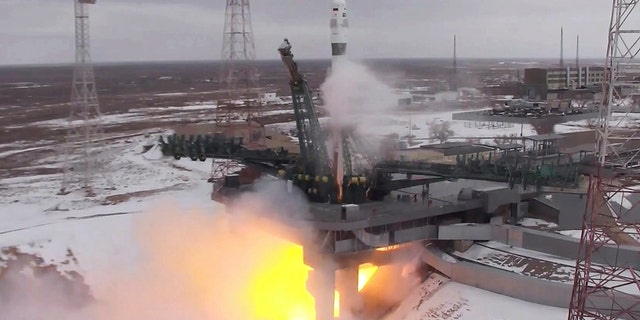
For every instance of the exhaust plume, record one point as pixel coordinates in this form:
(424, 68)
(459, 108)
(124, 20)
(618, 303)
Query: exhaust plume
(199, 265)
(352, 89)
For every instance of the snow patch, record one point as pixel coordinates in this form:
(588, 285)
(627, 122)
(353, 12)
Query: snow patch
(530, 222)
(441, 299)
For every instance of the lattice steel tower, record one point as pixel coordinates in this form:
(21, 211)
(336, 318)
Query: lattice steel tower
(85, 131)
(239, 74)
(607, 280)
(239, 71)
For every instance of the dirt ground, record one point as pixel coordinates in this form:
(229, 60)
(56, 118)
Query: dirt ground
(31, 97)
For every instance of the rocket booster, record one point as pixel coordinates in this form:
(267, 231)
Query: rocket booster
(339, 26)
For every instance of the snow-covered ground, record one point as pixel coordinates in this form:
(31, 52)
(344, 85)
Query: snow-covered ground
(418, 124)
(440, 299)
(521, 261)
(192, 112)
(103, 231)
(618, 120)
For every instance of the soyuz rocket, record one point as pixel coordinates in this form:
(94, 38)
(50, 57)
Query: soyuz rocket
(339, 27)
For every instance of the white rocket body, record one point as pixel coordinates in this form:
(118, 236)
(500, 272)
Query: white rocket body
(339, 27)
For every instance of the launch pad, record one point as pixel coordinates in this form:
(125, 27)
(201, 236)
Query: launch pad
(338, 238)
(362, 208)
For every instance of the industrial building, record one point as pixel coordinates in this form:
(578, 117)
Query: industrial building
(540, 82)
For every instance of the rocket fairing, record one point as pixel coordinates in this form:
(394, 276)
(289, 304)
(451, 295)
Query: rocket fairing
(339, 26)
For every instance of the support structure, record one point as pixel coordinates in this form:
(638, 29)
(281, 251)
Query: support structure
(320, 284)
(220, 169)
(347, 288)
(239, 72)
(611, 290)
(84, 152)
(239, 75)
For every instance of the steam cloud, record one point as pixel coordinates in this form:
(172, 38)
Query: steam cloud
(196, 265)
(353, 89)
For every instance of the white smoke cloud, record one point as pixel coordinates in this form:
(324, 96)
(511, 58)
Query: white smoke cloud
(352, 89)
(193, 265)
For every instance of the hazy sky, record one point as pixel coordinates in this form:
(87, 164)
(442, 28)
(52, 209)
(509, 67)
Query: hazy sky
(41, 31)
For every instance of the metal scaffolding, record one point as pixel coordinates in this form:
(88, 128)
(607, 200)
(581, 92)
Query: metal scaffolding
(606, 285)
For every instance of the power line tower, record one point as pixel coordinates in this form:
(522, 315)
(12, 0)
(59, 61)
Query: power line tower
(239, 72)
(85, 131)
(240, 76)
(606, 280)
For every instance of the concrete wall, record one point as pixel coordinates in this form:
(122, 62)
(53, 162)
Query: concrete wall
(519, 286)
(564, 246)
(565, 209)
(544, 211)
(478, 232)
(409, 235)
(499, 281)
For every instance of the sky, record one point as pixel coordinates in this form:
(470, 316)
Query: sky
(42, 31)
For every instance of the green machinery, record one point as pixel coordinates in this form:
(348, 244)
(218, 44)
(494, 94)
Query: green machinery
(508, 163)
(315, 172)
(199, 148)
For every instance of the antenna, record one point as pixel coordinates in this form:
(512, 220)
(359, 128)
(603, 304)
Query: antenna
(454, 76)
(561, 47)
(578, 61)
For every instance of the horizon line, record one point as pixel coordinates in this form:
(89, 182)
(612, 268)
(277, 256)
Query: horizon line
(71, 63)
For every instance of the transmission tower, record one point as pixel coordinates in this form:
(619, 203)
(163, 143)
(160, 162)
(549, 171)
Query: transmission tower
(607, 282)
(240, 76)
(85, 131)
(239, 72)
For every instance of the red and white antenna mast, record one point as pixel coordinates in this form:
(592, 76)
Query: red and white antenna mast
(606, 281)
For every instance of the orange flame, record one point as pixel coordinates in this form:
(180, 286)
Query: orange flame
(230, 269)
(365, 273)
(279, 290)
(389, 248)
(336, 304)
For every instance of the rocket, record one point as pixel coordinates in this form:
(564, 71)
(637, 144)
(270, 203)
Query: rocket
(339, 27)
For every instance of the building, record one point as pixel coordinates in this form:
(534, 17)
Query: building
(271, 98)
(506, 88)
(540, 82)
